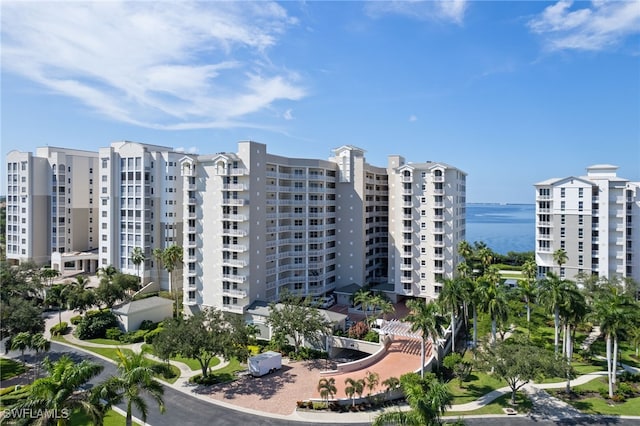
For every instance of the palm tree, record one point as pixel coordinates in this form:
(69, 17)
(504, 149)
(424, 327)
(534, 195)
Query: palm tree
(372, 379)
(21, 342)
(466, 251)
(428, 399)
(107, 272)
(170, 258)
(57, 295)
(552, 295)
(63, 390)
(79, 296)
(49, 274)
(327, 388)
(135, 378)
(353, 387)
(452, 298)
(528, 286)
(381, 304)
(363, 298)
(137, 257)
(573, 311)
(425, 317)
(560, 257)
(38, 344)
(492, 298)
(390, 384)
(486, 258)
(614, 312)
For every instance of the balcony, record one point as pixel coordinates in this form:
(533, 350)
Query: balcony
(234, 232)
(234, 217)
(404, 267)
(406, 254)
(438, 217)
(238, 309)
(234, 187)
(404, 279)
(241, 294)
(234, 247)
(191, 229)
(438, 230)
(407, 204)
(438, 243)
(545, 237)
(438, 205)
(192, 273)
(191, 187)
(192, 215)
(233, 202)
(192, 244)
(438, 256)
(544, 224)
(192, 201)
(234, 278)
(406, 179)
(438, 178)
(543, 197)
(544, 210)
(237, 263)
(438, 191)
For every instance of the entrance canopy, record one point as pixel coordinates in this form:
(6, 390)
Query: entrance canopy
(400, 328)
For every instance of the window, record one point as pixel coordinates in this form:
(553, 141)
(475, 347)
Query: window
(580, 246)
(580, 206)
(562, 232)
(580, 220)
(580, 232)
(580, 192)
(562, 205)
(562, 192)
(562, 219)
(580, 260)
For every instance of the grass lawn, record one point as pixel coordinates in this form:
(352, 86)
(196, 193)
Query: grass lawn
(478, 384)
(111, 419)
(111, 354)
(106, 342)
(193, 364)
(598, 405)
(523, 405)
(10, 368)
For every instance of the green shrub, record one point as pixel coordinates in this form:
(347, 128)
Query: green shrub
(76, 319)
(372, 336)
(113, 333)
(204, 381)
(59, 329)
(133, 336)
(164, 370)
(151, 335)
(625, 389)
(628, 376)
(148, 325)
(94, 325)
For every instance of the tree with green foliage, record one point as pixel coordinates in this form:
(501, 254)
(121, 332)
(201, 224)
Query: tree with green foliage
(117, 288)
(170, 258)
(460, 368)
(371, 379)
(296, 319)
(80, 296)
(353, 387)
(451, 298)
(492, 298)
(64, 390)
(327, 388)
(426, 318)
(560, 257)
(551, 293)
(363, 298)
(137, 258)
(49, 274)
(518, 362)
(427, 397)
(21, 342)
(20, 315)
(57, 296)
(134, 380)
(528, 286)
(391, 384)
(38, 344)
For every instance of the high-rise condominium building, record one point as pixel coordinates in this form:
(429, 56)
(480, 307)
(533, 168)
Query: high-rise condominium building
(140, 202)
(426, 222)
(258, 225)
(51, 203)
(592, 219)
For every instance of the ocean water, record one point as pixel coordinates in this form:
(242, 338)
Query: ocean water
(503, 227)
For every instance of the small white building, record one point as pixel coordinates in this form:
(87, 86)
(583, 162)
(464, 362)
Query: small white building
(130, 315)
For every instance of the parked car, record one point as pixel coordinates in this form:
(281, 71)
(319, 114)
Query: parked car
(324, 302)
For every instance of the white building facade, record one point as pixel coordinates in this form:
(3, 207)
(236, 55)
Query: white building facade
(592, 219)
(258, 225)
(141, 195)
(51, 203)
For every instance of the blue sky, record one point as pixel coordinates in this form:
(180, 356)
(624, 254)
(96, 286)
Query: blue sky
(510, 92)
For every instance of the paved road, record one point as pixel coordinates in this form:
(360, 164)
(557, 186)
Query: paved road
(184, 410)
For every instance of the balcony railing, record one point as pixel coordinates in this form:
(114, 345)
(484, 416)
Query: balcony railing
(234, 293)
(234, 278)
(239, 309)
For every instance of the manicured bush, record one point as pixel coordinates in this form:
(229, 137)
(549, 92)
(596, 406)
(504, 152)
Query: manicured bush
(204, 381)
(151, 335)
(372, 336)
(59, 329)
(148, 325)
(113, 333)
(76, 319)
(94, 325)
(133, 336)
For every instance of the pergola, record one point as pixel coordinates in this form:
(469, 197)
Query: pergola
(403, 329)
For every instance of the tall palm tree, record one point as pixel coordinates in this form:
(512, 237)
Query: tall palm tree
(614, 312)
(363, 298)
(560, 257)
(21, 342)
(492, 298)
(38, 344)
(137, 257)
(486, 258)
(57, 295)
(426, 318)
(63, 390)
(135, 379)
(327, 388)
(528, 285)
(107, 272)
(428, 399)
(452, 297)
(552, 295)
(466, 251)
(49, 274)
(352, 388)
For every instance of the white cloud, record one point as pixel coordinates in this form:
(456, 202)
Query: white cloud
(601, 25)
(413, 118)
(288, 114)
(446, 10)
(172, 65)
